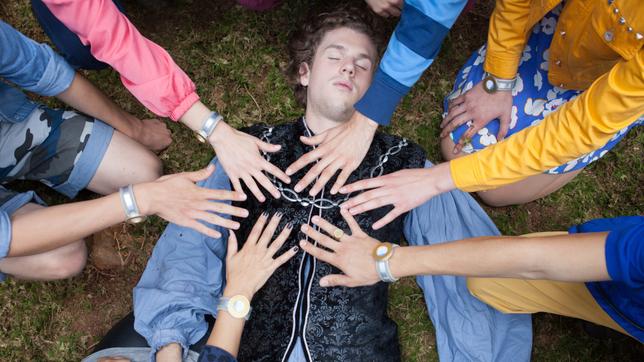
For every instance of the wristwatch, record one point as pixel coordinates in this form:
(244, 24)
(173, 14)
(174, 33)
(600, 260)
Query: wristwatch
(208, 126)
(381, 254)
(132, 213)
(237, 306)
(492, 84)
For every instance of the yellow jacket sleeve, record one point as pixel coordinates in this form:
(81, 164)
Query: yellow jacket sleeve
(612, 102)
(507, 36)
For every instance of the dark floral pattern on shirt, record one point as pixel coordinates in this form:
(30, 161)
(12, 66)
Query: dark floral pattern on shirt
(337, 324)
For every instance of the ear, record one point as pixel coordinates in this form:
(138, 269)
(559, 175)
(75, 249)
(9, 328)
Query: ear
(304, 73)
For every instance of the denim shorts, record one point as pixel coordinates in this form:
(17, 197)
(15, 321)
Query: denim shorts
(61, 149)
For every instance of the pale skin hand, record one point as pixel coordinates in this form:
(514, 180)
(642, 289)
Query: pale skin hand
(239, 154)
(351, 254)
(480, 107)
(177, 199)
(404, 189)
(386, 8)
(340, 148)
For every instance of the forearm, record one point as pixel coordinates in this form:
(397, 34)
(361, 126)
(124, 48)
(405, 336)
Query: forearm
(574, 257)
(85, 97)
(227, 333)
(507, 36)
(52, 227)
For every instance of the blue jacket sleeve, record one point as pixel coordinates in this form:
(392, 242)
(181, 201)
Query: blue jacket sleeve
(412, 48)
(32, 66)
(212, 353)
(466, 328)
(182, 282)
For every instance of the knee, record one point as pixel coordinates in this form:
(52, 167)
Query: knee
(152, 168)
(67, 265)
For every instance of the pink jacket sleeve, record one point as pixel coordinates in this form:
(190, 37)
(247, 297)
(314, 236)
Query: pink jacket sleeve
(146, 69)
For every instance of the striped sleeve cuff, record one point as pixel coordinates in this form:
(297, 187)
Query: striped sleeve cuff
(382, 98)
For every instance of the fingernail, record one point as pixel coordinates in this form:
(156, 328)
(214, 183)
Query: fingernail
(298, 188)
(455, 150)
(265, 214)
(279, 215)
(288, 172)
(304, 227)
(242, 196)
(244, 213)
(302, 243)
(323, 283)
(343, 190)
(295, 249)
(315, 218)
(289, 225)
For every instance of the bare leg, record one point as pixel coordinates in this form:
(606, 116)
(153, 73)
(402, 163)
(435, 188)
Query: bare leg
(524, 191)
(125, 162)
(64, 262)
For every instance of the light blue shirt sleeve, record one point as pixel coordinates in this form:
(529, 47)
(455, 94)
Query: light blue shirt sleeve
(32, 66)
(182, 281)
(466, 328)
(423, 26)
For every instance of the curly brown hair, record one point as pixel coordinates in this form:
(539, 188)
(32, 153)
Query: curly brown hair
(307, 37)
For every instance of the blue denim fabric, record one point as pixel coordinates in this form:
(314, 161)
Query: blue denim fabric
(31, 66)
(67, 42)
(185, 276)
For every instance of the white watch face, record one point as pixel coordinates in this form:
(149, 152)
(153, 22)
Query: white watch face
(238, 306)
(489, 84)
(382, 250)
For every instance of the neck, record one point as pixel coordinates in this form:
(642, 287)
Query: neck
(318, 123)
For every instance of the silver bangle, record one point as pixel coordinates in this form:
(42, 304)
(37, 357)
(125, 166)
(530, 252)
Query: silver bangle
(208, 126)
(382, 267)
(132, 213)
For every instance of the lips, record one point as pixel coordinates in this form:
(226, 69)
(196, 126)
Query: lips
(344, 85)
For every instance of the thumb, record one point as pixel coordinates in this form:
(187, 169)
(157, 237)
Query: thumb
(268, 147)
(199, 175)
(232, 244)
(334, 280)
(315, 140)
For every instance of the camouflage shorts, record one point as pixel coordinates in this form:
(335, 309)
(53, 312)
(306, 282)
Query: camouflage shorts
(61, 149)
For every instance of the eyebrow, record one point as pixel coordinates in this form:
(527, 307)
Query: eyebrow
(342, 49)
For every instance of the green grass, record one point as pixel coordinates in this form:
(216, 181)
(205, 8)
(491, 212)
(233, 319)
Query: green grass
(236, 58)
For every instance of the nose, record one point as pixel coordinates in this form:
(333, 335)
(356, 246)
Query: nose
(348, 68)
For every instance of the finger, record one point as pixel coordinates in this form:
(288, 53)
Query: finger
(504, 127)
(342, 178)
(268, 147)
(312, 174)
(211, 194)
(351, 221)
(314, 140)
(362, 185)
(364, 197)
(214, 219)
(322, 239)
(268, 232)
(199, 227)
(232, 245)
(372, 204)
(391, 215)
(267, 184)
(223, 208)
(252, 186)
(256, 231)
(237, 186)
(318, 253)
(279, 241)
(196, 176)
(336, 280)
(303, 161)
(277, 262)
(326, 175)
(454, 110)
(324, 225)
(273, 170)
(457, 121)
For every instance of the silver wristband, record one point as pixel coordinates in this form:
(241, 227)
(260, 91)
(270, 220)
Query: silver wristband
(132, 213)
(208, 126)
(382, 267)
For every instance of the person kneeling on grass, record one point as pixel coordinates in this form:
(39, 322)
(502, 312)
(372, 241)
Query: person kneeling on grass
(595, 272)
